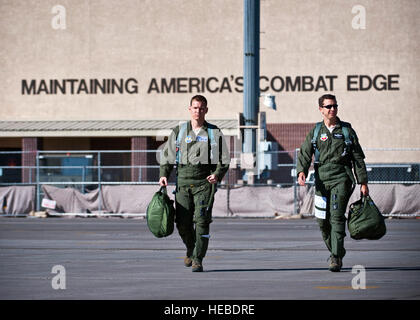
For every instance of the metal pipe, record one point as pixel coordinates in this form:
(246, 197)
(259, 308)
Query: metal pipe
(251, 72)
(38, 187)
(99, 183)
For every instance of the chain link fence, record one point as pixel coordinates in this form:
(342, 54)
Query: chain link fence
(269, 172)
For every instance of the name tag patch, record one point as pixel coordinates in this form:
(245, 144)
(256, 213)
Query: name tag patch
(338, 136)
(202, 138)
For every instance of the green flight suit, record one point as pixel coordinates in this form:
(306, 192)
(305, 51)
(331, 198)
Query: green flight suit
(194, 197)
(334, 179)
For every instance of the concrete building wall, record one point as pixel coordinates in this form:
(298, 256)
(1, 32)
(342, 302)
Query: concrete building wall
(165, 51)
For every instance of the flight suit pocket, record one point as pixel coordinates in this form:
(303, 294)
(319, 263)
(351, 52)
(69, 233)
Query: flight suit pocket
(202, 202)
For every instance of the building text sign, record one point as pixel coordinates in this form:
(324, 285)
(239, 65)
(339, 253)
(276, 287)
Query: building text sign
(196, 85)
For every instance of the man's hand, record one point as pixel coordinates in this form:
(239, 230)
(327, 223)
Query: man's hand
(301, 179)
(364, 190)
(212, 179)
(163, 181)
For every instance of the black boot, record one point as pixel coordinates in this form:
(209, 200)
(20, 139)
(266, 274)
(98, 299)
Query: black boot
(335, 264)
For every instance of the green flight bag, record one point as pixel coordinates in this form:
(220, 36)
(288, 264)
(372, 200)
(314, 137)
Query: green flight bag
(365, 221)
(160, 214)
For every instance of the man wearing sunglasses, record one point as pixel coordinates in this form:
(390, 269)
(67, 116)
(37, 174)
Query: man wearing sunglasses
(337, 151)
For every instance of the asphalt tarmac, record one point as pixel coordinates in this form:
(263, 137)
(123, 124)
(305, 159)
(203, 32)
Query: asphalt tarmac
(248, 259)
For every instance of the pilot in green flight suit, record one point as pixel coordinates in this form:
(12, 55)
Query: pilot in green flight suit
(334, 179)
(200, 152)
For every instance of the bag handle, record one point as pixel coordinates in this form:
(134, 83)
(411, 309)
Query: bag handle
(365, 199)
(163, 190)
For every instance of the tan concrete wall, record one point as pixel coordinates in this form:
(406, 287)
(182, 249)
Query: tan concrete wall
(199, 39)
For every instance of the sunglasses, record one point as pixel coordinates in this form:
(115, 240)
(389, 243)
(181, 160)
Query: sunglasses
(331, 106)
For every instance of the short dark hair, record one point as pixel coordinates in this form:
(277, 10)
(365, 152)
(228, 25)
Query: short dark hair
(199, 98)
(326, 96)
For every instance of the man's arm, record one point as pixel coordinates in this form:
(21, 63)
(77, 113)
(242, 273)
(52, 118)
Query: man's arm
(223, 161)
(358, 160)
(304, 158)
(359, 165)
(167, 159)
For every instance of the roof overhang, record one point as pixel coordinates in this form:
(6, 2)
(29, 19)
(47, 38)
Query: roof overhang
(102, 128)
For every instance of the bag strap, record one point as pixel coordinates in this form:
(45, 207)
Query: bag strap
(163, 190)
(181, 133)
(347, 141)
(313, 141)
(212, 140)
(213, 144)
(211, 200)
(210, 133)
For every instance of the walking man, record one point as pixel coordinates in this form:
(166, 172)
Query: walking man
(200, 153)
(337, 151)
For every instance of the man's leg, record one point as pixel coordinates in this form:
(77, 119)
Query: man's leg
(184, 221)
(324, 224)
(202, 219)
(340, 195)
(325, 227)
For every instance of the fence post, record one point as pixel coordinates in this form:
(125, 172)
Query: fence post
(83, 179)
(228, 211)
(38, 187)
(99, 183)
